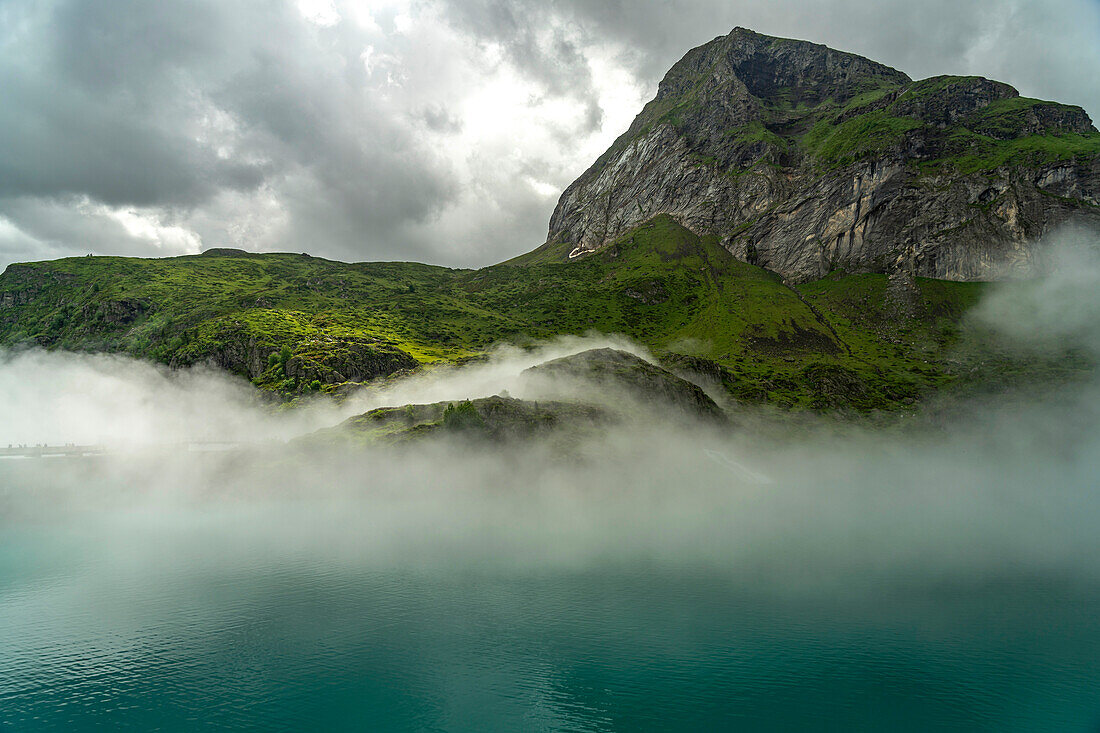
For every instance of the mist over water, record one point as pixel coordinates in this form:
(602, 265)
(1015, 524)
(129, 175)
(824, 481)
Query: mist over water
(938, 573)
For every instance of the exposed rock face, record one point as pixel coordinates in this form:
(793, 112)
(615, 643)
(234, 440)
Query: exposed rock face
(26, 284)
(804, 159)
(236, 351)
(119, 312)
(348, 359)
(12, 300)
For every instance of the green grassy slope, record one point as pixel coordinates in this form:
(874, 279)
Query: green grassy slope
(834, 136)
(833, 343)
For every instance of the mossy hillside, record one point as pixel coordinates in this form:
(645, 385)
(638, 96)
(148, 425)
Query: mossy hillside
(1004, 118)
(188, 307)
(872, 323)
(966, 151)
(865, 135)
(660, 285)
(935, 86)
(994, 136)
(676, 292)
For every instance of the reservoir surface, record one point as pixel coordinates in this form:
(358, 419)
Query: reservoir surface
(379, 615)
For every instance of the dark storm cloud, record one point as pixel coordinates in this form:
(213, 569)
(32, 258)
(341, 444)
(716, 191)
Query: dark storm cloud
(556, 61)
(313, 119)
(168, 104)
(142, 127)
(92, 106)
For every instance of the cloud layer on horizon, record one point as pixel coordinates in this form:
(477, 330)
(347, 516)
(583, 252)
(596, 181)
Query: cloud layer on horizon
(434, 130)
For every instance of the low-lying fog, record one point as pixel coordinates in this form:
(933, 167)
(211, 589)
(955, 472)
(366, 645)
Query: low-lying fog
(1003, 484)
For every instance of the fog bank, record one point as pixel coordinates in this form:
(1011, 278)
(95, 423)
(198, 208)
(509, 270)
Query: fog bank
(1000, 485)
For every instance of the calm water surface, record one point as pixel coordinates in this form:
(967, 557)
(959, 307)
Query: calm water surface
(126, 625)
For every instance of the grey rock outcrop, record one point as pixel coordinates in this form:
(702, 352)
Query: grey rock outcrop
(803, 159)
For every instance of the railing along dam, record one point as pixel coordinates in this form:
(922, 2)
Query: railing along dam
(16, 450)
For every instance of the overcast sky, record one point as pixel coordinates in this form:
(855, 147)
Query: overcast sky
(433, 130)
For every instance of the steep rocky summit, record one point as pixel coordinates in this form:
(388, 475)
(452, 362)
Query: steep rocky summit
(805, 160)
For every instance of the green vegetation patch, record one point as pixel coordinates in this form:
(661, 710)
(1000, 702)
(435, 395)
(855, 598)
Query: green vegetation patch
(867, 135)
(1004, 118)
(756, 132)
(969, 152)
(935, 85)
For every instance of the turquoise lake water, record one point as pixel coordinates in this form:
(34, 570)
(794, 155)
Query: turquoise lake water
(119, 625)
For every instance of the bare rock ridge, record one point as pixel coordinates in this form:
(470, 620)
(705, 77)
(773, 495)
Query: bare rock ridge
(804, 160)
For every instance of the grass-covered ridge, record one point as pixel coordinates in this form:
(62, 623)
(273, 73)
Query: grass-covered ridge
(1013, 131)
(857, 137)
(294, 323)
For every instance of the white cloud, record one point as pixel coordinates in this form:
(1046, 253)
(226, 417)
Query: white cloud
(320, 12)
(147, 226)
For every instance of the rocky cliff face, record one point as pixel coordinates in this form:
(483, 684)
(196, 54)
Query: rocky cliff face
(804, 160)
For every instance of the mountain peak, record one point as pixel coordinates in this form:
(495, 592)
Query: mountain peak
(805, 159)
(772, 68)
